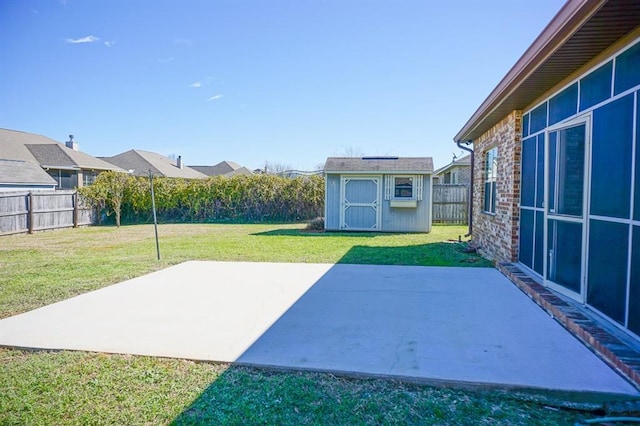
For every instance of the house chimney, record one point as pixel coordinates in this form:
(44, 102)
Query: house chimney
(180, 165)
(71, 144)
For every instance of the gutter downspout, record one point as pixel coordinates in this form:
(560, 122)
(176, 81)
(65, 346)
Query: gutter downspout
(470, 211)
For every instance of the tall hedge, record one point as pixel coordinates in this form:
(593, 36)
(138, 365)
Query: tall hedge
(257, 198)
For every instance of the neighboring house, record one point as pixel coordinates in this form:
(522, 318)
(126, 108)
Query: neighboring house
(18, 175)
(388, 194)
(458, 172)
(141, 163)
(557, 160)
(299, 173)
(223, 168)
(69, 167)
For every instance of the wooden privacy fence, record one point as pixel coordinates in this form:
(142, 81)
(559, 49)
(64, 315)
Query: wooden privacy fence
(451, 204)
(39, 210)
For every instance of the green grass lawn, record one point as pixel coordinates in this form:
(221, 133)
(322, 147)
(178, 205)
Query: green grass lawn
(46, 387)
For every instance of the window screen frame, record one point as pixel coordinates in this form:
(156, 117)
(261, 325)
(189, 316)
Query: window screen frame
(490, 180)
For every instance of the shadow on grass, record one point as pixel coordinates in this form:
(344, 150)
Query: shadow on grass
(288, 388)
(308, 233)
(431, 254)
(243, 395)
(368, 323)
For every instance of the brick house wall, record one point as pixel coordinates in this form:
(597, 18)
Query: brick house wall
(496, 235)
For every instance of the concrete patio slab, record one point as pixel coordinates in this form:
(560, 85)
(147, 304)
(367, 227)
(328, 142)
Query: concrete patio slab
(466, 325)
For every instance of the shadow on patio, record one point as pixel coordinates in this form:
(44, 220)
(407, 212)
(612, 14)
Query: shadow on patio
(457, 327)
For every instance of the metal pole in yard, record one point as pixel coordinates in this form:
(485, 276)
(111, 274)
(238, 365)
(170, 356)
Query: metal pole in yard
(155, 219)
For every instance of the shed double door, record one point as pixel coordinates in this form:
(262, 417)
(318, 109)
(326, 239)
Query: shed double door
(360, 203)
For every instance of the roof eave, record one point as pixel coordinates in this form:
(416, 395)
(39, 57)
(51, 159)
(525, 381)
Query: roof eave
(572, 15)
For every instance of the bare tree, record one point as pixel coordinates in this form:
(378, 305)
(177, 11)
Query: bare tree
(353, 151)
(276, 168)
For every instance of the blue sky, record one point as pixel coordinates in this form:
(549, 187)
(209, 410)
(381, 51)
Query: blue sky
(286, 81)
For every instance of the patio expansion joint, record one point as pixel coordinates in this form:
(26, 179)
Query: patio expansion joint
(619, 355)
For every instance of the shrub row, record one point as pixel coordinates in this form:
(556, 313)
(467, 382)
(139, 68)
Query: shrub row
(258, 198)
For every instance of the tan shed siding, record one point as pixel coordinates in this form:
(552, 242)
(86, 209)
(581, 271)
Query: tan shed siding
(332, 200)
(416, 219)
(497, 234)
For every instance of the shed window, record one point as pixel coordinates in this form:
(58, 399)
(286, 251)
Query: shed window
(403, 187)
(490, 172)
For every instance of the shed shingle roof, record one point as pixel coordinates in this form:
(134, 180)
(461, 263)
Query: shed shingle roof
(418, 165)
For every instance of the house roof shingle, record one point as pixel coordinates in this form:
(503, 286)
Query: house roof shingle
(224, 168)
(38, 149)
(417, 165)
(23, 173)
(141, 162)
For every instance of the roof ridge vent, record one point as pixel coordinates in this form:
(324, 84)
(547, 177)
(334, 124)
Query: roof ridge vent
(384, 157)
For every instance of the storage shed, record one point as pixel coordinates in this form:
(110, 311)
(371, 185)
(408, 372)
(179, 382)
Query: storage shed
(383, 194)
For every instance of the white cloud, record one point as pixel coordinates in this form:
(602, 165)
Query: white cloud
(166, 60)
(87, 39)
(196, 84)
(215, 97)
(109, 43)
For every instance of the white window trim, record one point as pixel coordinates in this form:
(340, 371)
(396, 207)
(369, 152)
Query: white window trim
(390, 186)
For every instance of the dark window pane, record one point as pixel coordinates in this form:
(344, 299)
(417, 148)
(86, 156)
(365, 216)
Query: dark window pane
(636, 211)
(525, 254)
(634, 294)
(403, 187)
(540, 172)
(487, 197)
(569, 174)
(525, 125)
(627, 69)
(596, 87)
(528, 181)
(493, 197)
(611, 158)
(538, 119)
(491, 171)
(565, 254)
(564, 104)
(553, 147)
(539, 244)
(608, 245)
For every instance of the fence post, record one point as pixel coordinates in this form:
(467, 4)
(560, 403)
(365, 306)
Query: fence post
(75, 209)
(30, 212)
